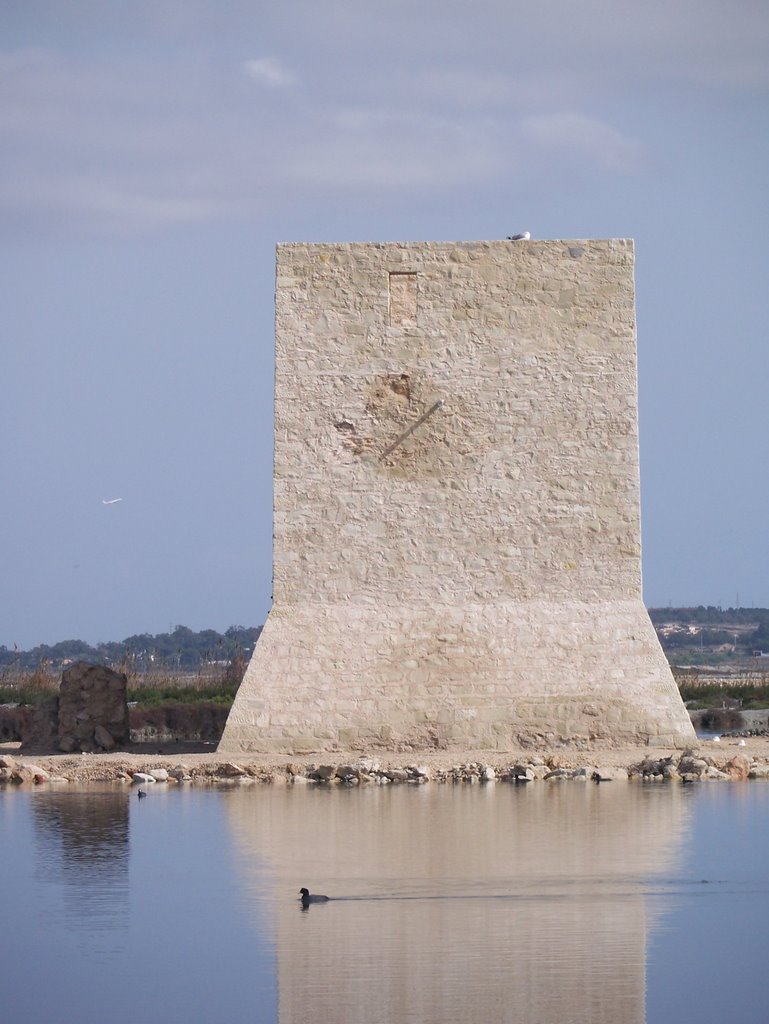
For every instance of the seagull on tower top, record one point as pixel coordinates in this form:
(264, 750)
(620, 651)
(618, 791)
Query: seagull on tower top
(524, 236)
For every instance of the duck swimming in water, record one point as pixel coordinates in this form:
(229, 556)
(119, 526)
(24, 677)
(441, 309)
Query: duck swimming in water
(307, 898)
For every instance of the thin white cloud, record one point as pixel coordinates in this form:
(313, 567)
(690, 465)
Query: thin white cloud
(583, 136)
(489, 89)
(270, 72)
(122, 135)
(397, 149)
(126, 146)
(119, 146)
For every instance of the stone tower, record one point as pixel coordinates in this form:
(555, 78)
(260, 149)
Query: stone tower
(456, 504)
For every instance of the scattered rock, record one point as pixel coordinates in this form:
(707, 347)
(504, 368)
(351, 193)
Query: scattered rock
(524, 773)
(26, 772)
(142, 778)
(738, 768)
(691, 765)
(556, 774)
(351, 773)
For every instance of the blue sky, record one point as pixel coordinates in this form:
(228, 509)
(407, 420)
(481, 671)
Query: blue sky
(154, 152)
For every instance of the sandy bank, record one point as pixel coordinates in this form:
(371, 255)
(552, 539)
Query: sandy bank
(209, 766)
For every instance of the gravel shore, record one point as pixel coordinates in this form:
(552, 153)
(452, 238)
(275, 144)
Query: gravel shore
(728, 758)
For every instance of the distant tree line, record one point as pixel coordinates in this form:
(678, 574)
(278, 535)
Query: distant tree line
(186, 650)
(714, 627)
(181, 649)
(710, 615)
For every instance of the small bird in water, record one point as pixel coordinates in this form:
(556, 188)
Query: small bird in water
(141, 793)
(307, 898)
(524, 236)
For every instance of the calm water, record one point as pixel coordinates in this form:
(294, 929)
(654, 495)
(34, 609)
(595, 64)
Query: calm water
(547, 903)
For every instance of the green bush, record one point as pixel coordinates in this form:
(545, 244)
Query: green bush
(145, 689)
(751, 696)
(152, 696)
(28, 688)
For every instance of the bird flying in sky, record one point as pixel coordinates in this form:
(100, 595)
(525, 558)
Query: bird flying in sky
(524, 236)
(110, 501)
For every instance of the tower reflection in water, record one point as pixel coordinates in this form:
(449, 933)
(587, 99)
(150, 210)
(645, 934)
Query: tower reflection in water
(502, 903)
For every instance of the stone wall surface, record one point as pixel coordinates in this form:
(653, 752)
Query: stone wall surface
(456, 503)
(93, 708)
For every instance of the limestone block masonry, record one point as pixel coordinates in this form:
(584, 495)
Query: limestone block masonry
(456, 505)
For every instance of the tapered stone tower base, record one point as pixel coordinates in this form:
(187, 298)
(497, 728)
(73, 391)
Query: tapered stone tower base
(456, 532)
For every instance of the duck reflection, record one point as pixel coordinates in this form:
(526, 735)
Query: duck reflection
(515, 904)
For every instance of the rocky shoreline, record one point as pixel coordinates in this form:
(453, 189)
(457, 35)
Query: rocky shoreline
(734, 760)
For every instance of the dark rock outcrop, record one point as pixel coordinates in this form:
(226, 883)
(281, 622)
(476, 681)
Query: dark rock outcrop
(40, 727)
(93, 708)
(90, 713)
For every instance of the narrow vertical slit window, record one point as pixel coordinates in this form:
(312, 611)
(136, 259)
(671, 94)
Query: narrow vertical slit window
(403, 299)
